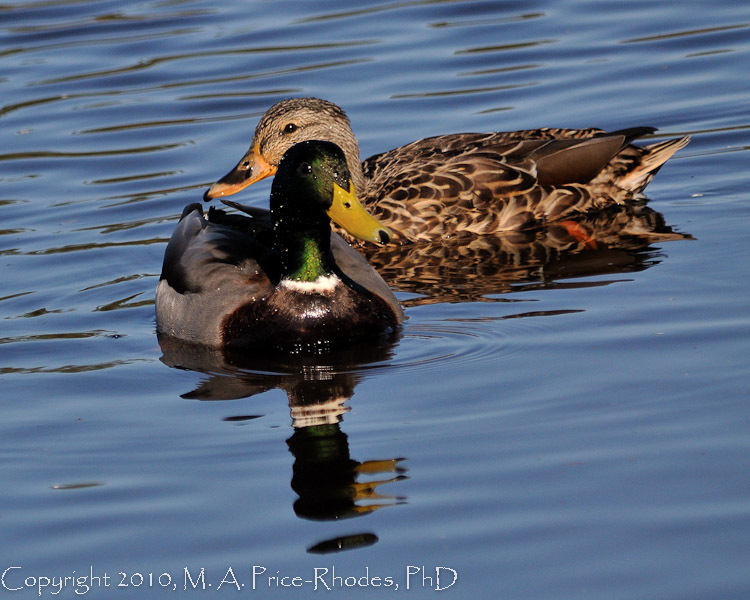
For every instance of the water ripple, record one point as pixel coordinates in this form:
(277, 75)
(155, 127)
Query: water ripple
(465, 342)
(685, 33)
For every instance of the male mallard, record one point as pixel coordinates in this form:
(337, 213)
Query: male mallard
(278, 279)
(482, 183)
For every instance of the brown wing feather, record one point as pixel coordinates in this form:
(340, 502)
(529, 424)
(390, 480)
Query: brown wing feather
(477, 193)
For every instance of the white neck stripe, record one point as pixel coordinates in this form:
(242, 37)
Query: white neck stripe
(322, 285)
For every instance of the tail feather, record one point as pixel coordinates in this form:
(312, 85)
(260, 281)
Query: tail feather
(651, 160)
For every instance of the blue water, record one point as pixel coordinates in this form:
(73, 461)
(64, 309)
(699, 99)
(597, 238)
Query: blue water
(570, 429)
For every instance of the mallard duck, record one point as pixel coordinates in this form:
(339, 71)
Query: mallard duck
(482, 183)
(278, 279)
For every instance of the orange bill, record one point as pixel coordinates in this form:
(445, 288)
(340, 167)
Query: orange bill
(250, 169)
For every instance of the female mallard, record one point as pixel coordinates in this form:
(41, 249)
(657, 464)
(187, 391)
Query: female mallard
(278, 279)
(481, 183)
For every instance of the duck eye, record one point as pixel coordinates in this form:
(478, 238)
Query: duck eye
(305, 168)
(290, 128)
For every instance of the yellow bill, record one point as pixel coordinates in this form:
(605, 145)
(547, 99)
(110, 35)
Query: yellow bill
(347, 212)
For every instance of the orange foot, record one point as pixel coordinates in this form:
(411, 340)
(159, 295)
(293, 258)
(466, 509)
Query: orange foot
(579, 233)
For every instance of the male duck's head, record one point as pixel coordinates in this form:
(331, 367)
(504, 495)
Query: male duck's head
(313, 184)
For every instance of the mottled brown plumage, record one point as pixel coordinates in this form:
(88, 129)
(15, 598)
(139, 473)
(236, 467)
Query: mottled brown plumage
(480, 183)
(476, 268)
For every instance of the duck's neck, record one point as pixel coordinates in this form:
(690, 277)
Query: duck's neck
(348, 143)
(305, 255)
(358, 177)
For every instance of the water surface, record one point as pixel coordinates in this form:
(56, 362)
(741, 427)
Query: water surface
(548, 425)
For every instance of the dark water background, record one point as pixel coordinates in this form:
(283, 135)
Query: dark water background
(566, 430)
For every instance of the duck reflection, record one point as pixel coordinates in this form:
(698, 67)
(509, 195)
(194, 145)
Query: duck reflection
(468, 268)
(329, 483)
